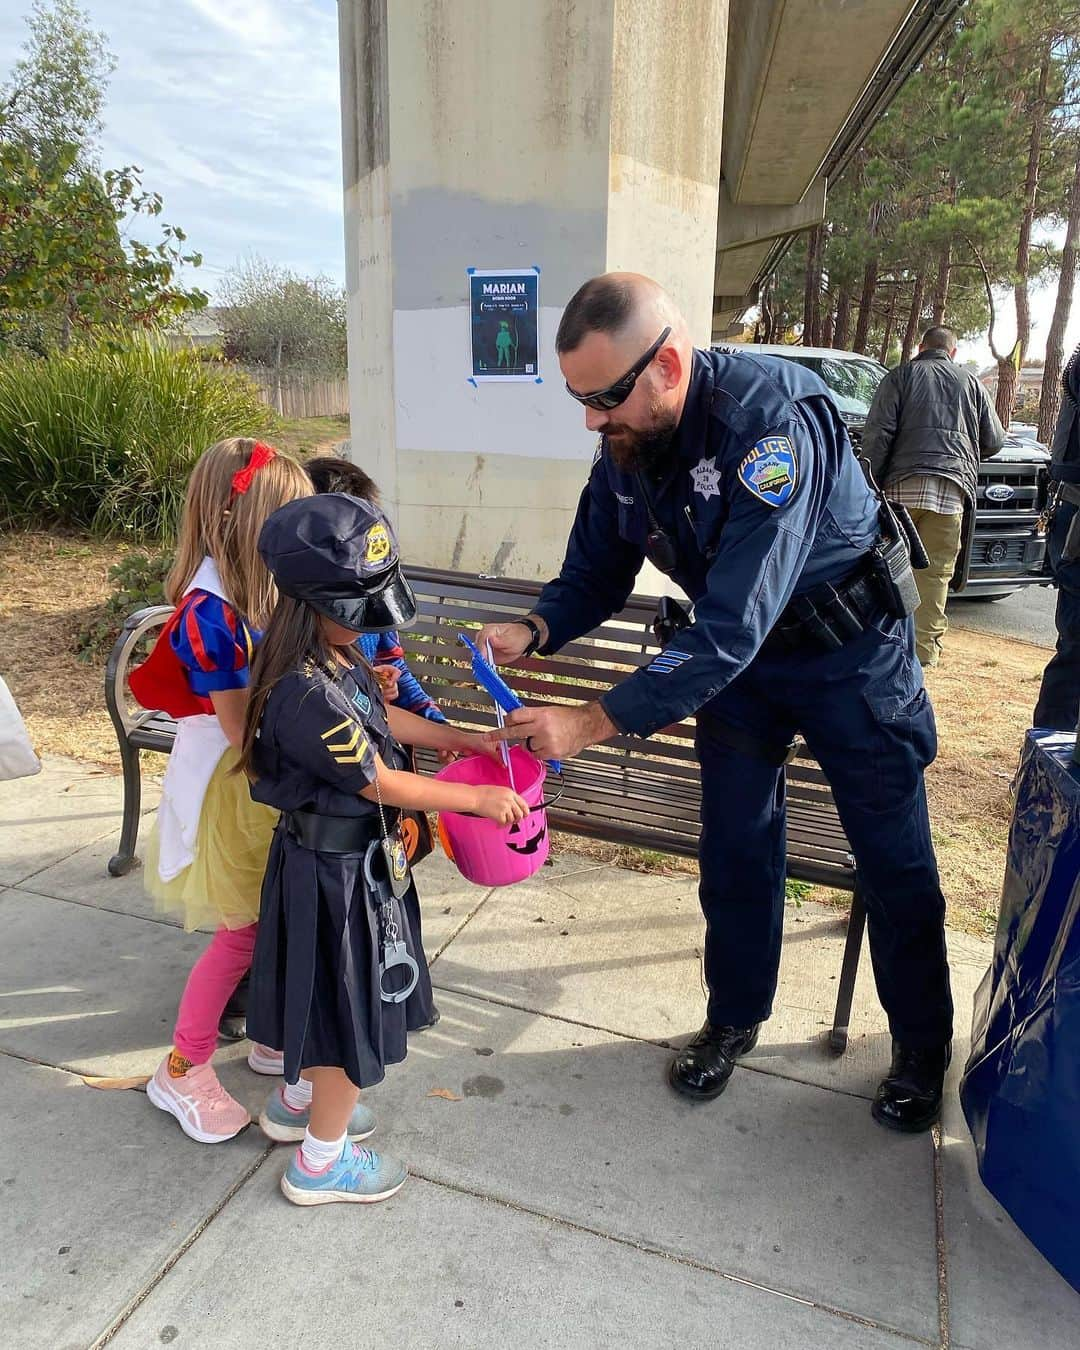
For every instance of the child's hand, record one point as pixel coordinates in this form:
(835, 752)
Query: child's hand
(388, 677)
(479, 743)
(502, 805)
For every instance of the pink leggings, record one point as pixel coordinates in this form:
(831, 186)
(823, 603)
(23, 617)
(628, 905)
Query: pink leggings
(213, 978)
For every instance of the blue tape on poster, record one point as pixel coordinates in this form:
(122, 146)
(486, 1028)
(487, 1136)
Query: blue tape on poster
(493, 683)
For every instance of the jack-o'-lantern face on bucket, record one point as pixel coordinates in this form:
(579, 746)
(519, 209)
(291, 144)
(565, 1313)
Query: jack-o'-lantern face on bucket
(527, 835)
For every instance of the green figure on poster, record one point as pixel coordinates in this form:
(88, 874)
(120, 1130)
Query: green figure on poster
(503, 344)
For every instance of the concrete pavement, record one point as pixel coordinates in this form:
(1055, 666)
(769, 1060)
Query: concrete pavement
(560, 1196)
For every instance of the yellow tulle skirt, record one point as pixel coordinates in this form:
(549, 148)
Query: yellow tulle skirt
(222, 885)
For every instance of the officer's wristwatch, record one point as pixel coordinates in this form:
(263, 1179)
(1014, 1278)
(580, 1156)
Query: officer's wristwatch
(537, 636)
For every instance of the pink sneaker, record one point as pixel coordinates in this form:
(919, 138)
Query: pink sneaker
(204, 1109)
(263, 1060)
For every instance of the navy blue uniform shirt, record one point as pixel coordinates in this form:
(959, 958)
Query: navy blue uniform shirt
(763, 499)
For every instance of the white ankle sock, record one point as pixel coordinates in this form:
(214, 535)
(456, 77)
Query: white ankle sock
(318, 1154)
(297, 1095)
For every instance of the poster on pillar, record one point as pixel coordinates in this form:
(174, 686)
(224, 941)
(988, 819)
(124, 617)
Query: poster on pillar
(503, 311)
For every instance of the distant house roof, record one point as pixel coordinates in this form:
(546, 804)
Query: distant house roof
(1029, 375)
(202, 323)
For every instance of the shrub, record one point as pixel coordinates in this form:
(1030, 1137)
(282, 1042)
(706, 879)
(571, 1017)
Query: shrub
(138, 580)
(104, 436)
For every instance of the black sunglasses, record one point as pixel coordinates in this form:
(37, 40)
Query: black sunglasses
(606, 399)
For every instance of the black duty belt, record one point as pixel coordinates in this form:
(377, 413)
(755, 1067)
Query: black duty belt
(829, 615)
(330, 834)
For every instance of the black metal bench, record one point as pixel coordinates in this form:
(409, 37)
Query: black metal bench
(641, 793)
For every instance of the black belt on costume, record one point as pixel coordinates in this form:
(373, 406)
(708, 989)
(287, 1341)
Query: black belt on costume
(330, 834)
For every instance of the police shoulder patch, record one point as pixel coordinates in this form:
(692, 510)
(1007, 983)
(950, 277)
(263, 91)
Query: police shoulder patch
(770, 471)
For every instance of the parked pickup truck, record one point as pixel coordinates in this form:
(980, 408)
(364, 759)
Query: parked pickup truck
(1007, 541)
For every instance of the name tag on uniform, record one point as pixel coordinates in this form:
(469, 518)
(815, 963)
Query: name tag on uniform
(770, 472)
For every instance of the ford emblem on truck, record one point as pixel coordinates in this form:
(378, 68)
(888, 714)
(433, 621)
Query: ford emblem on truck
(1000, 492)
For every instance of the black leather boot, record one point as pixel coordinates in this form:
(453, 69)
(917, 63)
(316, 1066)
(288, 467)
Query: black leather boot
(702, 1068)
(909, 1097)
(233, 1024)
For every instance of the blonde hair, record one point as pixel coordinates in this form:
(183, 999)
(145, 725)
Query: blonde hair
(225, 527)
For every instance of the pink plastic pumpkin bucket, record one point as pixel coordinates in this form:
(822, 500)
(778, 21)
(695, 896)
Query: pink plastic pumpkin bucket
(490, 854)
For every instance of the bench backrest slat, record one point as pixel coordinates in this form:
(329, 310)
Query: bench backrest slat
(644, 793)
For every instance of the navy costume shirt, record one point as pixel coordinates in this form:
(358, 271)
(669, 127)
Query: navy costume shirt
(764, 500)
(318, 738)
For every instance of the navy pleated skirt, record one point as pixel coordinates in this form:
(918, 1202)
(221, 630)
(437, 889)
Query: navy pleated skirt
(315, 974)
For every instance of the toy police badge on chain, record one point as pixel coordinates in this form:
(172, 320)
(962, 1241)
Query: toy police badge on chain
(396, 858)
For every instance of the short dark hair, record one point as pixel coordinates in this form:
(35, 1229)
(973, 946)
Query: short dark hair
(602, 305)
(943, 339)
(329, 473)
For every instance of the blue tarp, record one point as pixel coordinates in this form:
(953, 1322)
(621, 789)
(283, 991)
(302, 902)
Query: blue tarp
(1021, 1087)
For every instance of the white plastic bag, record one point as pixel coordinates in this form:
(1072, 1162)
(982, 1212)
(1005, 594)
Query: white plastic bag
(17, 758)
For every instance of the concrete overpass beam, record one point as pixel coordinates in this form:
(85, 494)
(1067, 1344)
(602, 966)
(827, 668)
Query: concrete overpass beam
(796, 69)
(740, 225)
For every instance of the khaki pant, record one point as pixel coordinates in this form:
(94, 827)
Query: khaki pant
(941, 539)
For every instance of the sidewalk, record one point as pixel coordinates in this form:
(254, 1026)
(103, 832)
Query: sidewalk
(565, 1197)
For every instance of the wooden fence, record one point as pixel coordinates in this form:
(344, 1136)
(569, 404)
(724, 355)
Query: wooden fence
(292, 396)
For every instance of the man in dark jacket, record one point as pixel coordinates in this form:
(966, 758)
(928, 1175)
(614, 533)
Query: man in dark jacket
(930, 423)
(1059, 697)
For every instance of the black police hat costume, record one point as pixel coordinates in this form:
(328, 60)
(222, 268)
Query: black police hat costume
(338, 554)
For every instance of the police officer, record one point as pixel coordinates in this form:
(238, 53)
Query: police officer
(1059, 696)
(734, 474)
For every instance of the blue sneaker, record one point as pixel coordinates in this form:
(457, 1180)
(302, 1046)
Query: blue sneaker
(359, 1174)
(286, 1126)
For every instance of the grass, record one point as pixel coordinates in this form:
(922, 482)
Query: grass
(306, 436)
(103, 437)
(54, 584)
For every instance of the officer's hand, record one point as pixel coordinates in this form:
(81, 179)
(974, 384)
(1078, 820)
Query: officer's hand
(388, 677)
(559, 733)
(508, 641)
(501, 805)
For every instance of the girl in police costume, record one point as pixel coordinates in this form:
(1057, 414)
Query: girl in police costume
(383, 651)
(207, 854)
(338, 959)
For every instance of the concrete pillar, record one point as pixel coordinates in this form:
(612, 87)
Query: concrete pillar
(575, 137)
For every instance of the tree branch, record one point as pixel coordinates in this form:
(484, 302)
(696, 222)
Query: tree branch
(989, 298)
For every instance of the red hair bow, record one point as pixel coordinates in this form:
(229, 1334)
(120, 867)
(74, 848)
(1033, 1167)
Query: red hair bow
(260, 455)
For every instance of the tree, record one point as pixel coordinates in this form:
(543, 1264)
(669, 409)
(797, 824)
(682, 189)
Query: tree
(274, 318)
(66, 263)
(1050, 399)
(57, 89)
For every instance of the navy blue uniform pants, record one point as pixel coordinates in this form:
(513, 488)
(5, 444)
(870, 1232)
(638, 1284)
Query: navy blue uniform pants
(866, 717)
(1059, 697)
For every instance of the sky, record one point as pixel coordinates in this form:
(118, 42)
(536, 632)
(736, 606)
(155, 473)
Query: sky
(231, 109)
